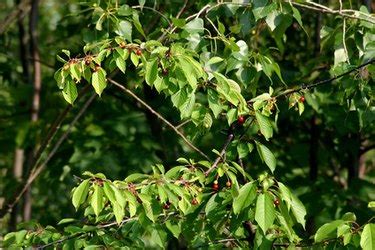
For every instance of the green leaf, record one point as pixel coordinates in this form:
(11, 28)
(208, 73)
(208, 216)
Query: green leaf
(371, 204)
(267, 156)
(214, 102)
(147, 206)
(120, 199)
(124, 29)
(121, 64)
(242, 150)
(368, 237)
(158, 236)
(125, 10)
(175, 228)
(137, 24)
(151, 72)
(76, 71)
(80, 193)
(293, 203)
(342, 230)
(136, 177)
(163, 195)
(135, 59)
(231, 116)
(98, 81)
(230, 90)
(347, 238)
(349, 216)
(161, 83)
(70, 93)
(265, 211)
(132, 202)
(99, 23)
(246, 196)
(175, 171)
(273, 19)
(195, 26)
(188, 73)
(109, 192)
(187, 108)
(297, 16)
(97, 203)
(66, 52)
(20, 236)
(66, 221)
(211, 204)
(184, 205)
(119, 212)
(264, 125)
(298, 209)
(261, 8)
(328, 230)
(301, 108)
(214, 60)
(180, 23)
(59, 77)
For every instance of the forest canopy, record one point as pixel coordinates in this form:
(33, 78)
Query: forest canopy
(187, 124)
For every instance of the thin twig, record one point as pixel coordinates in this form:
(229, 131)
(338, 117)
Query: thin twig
(223, 151)
(314, 85)
(159, 116)
(18, 13)
(55, 127)
(38, 170)
(8, 206)
(73, 236)
(341, 12)
(171, 27)
(182, 9)
(183, 124)
(343, 40)
(155, 10)
(100, 226)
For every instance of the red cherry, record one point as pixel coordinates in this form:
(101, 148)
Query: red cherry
(241, 120)
(138, 52)
(194, 202)
(302, 99)
(165, 72)
(276, 202)
(166, 206)
(215, 187)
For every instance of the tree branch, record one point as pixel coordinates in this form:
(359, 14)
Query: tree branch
(154, 10)
(341, 12)
(19, 12)
(8, 206)
(129, 92)
(100, 226)
(223, 151)
(314, 85)
(55, 126)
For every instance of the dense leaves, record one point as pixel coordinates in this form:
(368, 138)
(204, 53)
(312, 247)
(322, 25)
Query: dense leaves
(231, 75)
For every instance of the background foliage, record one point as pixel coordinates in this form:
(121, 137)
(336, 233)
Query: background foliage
(250, 88)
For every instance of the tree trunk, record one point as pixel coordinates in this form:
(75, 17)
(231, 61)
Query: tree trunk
(37, 83)
(19, 153)
(353, 158)
(313, 151)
